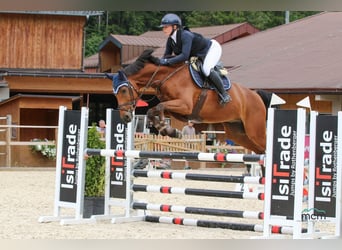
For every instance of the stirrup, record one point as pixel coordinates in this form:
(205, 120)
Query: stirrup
(222, 101)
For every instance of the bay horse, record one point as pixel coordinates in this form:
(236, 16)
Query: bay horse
(243, 118)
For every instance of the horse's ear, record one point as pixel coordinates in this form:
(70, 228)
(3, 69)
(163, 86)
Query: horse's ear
(155, 60)
(121, 75)
(109, 76)
(146, 54)
(148, 51)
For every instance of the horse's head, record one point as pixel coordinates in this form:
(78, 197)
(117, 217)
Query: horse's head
(127, 95)
(130, 83)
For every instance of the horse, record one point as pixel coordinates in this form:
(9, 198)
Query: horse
(243, 118)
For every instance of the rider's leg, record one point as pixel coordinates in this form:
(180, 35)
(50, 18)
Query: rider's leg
(217, 81)
(209, 62)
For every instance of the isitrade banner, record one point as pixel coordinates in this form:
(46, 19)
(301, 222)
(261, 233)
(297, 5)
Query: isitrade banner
(284, 163)
(326, 165)
(118, 163)
(70, 152)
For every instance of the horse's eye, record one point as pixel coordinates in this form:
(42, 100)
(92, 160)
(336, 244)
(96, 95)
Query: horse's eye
(123, 91)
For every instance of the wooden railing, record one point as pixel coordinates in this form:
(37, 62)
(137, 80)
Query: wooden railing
(7, 142)
(196, 143)
(147, 142)
(150, 142)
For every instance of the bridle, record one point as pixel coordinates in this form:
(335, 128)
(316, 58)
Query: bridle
(151, 83)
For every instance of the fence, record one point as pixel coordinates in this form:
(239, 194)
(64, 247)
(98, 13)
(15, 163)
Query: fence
(10, 141)
(195, 143)
(148, 142)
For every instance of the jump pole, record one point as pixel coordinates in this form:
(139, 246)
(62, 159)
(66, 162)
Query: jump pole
(70, 194)
(218, 224)
(199, 177)
(118, 165)
(284, 220)
(109, 152)
(198, 210)
(70, 166)
(193, 156)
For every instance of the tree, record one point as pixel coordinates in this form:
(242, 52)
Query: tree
(138, 22)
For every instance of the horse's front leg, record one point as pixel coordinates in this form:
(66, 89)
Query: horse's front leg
(157, 116)
(153, 116)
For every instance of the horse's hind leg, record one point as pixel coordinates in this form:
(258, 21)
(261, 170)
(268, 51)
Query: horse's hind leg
(237, 133)
(255, 128)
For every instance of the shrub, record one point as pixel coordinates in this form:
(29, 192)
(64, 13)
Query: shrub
(95, 166)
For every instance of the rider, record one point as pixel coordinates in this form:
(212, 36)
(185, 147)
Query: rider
(185, 44)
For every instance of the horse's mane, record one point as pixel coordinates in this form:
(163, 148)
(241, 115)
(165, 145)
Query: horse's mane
(139, 63)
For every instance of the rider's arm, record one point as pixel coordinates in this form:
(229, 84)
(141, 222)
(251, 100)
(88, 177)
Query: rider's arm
(187, 38)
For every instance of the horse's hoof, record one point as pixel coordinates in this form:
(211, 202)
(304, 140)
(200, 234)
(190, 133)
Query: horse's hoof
(175, 133)
(163, 132)
(178, 134)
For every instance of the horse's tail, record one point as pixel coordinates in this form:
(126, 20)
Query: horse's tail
(265, 96)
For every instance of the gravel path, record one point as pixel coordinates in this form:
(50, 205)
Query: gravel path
(27, 194)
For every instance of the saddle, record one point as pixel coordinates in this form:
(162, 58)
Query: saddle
(195, 68)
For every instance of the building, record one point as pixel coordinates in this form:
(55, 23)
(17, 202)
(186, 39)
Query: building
(41, 68)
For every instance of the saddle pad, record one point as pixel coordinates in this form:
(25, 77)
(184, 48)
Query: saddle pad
(199, 80)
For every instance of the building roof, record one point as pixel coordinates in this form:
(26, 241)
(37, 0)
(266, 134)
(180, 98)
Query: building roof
(211, 31)
(221, 33)
(120, 40)
(18, 96)
(64, 13)
(91, 61)
(305, 54)
(157, 39)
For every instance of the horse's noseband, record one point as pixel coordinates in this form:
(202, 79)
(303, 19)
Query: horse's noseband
(133, 101)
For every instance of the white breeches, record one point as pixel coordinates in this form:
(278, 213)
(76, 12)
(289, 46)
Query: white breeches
(212, 58)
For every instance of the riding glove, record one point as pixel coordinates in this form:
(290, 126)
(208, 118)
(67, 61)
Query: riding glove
(164, 61)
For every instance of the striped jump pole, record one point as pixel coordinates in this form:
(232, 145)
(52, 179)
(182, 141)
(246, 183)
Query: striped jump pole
(194, 156)
(199, 177)
(198, 192)
(199, 210)
(218, 224)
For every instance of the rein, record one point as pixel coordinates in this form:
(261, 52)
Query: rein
(167, 78)
(170, 75)
(150, 83)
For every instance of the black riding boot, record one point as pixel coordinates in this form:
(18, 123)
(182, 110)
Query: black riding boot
(217, 81)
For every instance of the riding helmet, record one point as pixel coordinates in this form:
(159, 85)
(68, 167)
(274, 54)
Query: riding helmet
(170, 19)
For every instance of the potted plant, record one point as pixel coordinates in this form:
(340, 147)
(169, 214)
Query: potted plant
(48, 151)
(94, 177)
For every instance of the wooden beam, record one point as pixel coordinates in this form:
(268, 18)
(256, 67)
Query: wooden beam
(59, 84)
(62, 85)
